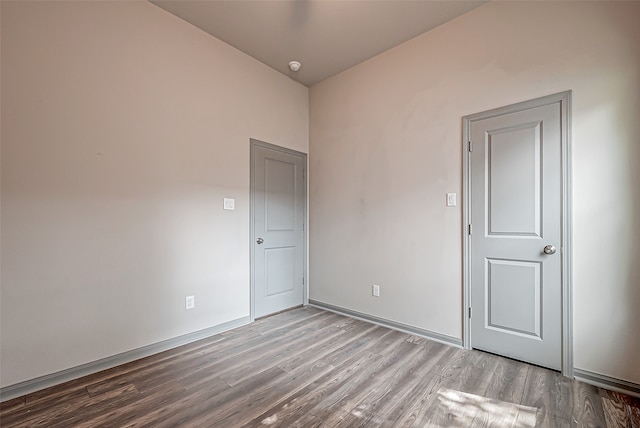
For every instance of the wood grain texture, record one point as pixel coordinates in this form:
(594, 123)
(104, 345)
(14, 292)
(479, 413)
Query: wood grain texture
(311, 368)
(615, 413)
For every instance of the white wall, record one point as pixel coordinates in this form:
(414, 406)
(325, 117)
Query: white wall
(385, 148)
(123, 128)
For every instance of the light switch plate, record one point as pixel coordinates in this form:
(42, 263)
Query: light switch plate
(229, 204)
(451, 199)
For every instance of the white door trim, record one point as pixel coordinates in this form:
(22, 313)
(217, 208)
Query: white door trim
(564, 100)
(252, 234)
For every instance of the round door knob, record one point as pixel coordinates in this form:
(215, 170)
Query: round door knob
(549, 249)
(260, 241)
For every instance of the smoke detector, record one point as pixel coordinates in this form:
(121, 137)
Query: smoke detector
(294, 65)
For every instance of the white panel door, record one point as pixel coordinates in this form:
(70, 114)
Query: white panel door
(516, 207)
(278, 211)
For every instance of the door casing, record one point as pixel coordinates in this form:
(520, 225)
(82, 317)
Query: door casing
(564, 100)
(252, 291)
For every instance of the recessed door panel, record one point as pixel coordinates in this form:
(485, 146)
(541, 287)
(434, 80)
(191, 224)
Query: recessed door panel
(513, 180)
(280, 270)
(281, 201)
(513, 297)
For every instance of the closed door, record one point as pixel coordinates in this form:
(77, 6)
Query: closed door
(516, 235)
(278, 213)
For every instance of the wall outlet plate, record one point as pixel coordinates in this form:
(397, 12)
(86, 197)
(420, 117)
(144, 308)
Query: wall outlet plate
(189, 302)
(375, 290)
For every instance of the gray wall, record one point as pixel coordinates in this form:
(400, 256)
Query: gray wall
(385, 148)
(123, 128)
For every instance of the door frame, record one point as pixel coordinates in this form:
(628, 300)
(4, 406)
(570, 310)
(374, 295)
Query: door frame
(564, 100)
(252, 233)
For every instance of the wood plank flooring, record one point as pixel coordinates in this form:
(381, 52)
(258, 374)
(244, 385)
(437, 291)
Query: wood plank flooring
(312, 368)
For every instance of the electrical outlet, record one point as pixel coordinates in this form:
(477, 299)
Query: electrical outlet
(375, 290)
(190, 302)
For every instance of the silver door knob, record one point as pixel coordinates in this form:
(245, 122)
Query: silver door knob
(260, 241)
(549, 249)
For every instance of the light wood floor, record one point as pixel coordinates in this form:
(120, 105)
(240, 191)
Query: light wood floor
(312, 368)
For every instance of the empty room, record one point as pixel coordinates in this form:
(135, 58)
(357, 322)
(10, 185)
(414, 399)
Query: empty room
(323, 213)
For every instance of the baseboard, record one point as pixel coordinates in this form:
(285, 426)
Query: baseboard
(437, 337)
(33, 385)
(607, 382)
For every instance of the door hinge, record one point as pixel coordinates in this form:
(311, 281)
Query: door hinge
(470, 146)
(469, 312)
(303, 280)
(470, 230)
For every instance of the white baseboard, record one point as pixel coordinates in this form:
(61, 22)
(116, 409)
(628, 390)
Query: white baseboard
(42, 382)
(437, 337)
(607, 382)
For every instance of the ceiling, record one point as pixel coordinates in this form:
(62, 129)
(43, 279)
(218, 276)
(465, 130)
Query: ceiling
(326, 36)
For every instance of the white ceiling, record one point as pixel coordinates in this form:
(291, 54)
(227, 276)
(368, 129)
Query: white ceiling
(326, 36)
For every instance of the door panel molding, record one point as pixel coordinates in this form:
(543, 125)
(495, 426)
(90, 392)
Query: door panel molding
(526, 324)
(563, 99)
(255, 144)
(499, 180)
